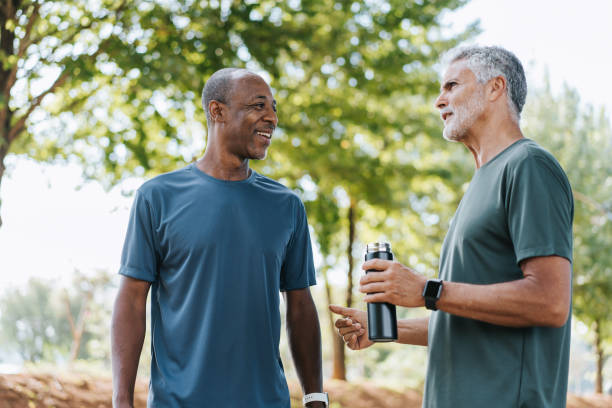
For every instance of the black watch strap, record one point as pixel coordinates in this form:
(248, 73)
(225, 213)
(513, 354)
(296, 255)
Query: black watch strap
(432, 292)
(430, 303)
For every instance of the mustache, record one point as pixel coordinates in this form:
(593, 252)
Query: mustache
(445, 110)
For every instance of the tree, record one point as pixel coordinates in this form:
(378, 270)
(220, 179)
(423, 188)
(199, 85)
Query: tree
(84, 311)
(31, 322)
(358, 117)
(115, 87)
(581, 139)
(38, 321)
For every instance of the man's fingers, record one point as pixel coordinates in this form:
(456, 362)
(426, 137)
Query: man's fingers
(344, 311)
(378, 264)
(373, 277)
(375, 287)
(351, 342)
(343, 323)
(376, 297)
(355, 328)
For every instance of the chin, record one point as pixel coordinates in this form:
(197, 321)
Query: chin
(259, 155)
(452, 135)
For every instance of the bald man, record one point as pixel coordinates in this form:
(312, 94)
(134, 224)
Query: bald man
(216, 243)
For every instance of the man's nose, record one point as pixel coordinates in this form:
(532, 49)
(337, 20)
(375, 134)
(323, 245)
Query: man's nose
(271, 116)
(440, 102)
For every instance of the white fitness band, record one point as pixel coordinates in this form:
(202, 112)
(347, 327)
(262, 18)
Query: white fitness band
(316, 396)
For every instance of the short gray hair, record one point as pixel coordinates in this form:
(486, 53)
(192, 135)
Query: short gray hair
(489, 62)
(219, 87)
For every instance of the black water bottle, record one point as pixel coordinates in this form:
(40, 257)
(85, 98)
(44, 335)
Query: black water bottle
(382, 322)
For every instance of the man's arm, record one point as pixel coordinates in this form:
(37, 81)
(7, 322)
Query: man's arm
(540, 298)
(305, 340)
(354, 328)
(127, 335)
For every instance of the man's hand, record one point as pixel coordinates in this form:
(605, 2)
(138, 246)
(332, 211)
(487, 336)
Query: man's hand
(353, 328)
(395, 283)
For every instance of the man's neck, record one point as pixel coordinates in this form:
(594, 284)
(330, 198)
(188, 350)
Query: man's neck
(223, 166)
(487, 140)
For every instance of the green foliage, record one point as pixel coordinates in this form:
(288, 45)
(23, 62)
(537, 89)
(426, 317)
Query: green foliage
(354, 81)
(581, 139)
(34, 321)
(130, 72)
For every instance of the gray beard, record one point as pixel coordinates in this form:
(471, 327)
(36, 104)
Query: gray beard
(464, 117)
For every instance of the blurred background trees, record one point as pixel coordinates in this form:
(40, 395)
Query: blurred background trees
(114, 85)
(47, 321)
(581, 139)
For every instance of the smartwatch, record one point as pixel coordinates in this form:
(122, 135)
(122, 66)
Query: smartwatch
(316, 396)
(432, 292)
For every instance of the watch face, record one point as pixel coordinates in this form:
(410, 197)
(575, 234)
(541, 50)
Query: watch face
(432, 289)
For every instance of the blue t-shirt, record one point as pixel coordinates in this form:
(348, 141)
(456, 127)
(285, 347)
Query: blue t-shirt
(518, 205)
(217, 253)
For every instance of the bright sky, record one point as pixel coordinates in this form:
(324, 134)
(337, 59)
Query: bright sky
(50, 228)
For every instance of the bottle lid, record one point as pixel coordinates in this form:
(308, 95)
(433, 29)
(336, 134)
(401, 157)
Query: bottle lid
(378, 247)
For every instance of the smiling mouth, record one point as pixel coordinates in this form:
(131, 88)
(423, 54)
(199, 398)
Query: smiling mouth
(264, 134)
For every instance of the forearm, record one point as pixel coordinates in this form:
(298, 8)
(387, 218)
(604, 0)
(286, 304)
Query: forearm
(127, 336)
(518, 303)
(413, 331)
(304, 336)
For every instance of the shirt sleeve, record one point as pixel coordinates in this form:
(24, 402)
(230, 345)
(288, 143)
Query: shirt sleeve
(139, 256)
(540, 209)
(297, 271)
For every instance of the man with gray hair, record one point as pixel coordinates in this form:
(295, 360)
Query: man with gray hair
(500, 332)
(216, 243)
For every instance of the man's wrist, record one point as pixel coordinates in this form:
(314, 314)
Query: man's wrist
(316, 400)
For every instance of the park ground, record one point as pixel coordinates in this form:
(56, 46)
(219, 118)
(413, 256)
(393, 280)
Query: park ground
(47, 389)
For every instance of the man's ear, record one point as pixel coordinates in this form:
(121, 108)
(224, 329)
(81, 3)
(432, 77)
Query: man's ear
(217, 111)
(497, 88)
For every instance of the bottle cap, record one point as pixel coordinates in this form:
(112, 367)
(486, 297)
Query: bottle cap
(378, 247)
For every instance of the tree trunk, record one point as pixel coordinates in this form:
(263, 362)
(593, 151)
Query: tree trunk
(349, 254)
(600, 359)
(338, 369)
(77, 328)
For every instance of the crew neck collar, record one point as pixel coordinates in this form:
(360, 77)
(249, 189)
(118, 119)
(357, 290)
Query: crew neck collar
(500, 154)
(194, 168)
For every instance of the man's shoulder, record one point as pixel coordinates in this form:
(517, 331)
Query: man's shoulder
(529, 153)
(274, 186)
(165, 181)
(530, 158)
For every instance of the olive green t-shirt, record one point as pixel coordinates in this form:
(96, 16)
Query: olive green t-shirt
(518, 205)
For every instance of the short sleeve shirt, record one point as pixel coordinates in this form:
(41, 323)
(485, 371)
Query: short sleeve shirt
(217, 253)
(518, 205)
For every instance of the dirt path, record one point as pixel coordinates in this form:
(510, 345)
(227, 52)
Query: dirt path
(36, 390)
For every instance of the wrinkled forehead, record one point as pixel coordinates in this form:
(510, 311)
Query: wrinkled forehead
(457, 69)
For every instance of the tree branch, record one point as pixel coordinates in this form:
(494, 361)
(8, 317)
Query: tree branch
(23, 45)
(20, 125)
(69, 313)
(592, 203)
(25, 41)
